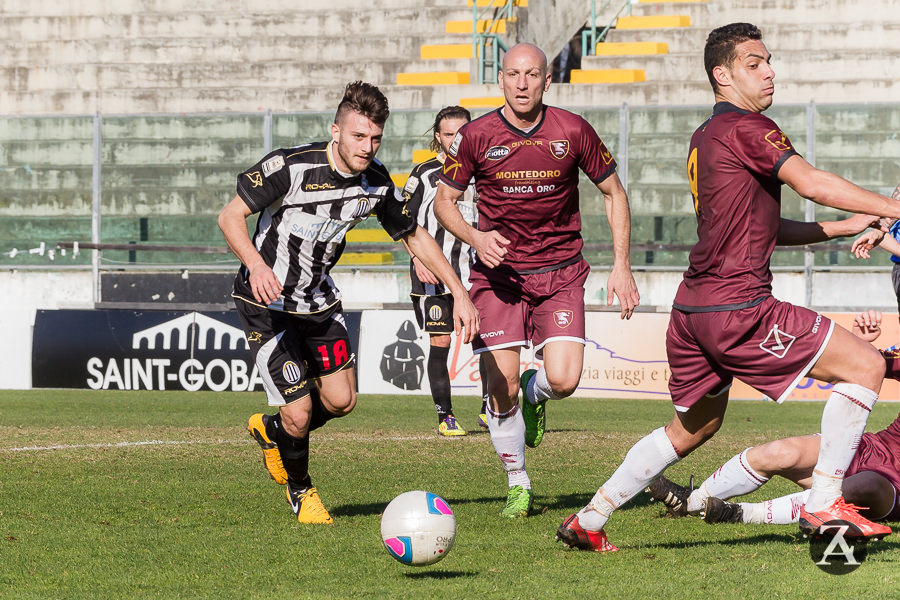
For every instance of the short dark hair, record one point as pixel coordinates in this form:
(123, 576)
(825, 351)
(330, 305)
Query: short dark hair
(448, 112)
(366, 99)
(721, 44)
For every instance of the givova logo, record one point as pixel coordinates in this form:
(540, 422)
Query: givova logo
(157, 362)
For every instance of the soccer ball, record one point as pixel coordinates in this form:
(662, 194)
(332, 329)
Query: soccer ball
(418, 528)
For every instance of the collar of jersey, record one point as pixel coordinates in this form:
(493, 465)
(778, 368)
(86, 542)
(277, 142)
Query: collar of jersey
(518, 131)
(332, 164)
(727, 107)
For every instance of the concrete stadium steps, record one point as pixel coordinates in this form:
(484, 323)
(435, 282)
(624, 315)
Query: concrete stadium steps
(333, 51)
(790, 67)
(230, 7)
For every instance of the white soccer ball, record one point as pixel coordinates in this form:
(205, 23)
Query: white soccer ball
(418, 528)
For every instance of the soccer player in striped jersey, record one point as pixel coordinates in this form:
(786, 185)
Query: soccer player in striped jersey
(432, 303)
(307, 198)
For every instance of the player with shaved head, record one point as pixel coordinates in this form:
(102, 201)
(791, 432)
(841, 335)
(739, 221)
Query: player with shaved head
(528, 277)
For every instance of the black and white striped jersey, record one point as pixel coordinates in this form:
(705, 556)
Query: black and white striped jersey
(420, 190)
(306, 207)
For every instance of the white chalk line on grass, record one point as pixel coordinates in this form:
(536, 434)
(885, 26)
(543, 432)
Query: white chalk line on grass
(207, 442)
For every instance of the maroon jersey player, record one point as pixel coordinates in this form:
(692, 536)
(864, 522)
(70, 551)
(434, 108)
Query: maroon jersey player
(725, 323)
(528, 278)
(872, 480)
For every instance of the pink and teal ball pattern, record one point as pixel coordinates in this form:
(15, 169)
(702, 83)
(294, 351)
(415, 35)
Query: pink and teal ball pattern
(437, 505)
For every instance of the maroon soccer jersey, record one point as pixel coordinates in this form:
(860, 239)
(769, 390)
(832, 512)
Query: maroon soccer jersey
(528, 182)
(733, 166)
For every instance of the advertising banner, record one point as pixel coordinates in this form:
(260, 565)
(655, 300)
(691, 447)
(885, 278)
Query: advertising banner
(622, 359)
(145, 350)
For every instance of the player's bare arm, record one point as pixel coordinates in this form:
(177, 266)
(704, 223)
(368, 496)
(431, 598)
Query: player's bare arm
(795, 233)
(233, 223)
(490, 246)
(832, 190)
(621, 280)
(465, 316)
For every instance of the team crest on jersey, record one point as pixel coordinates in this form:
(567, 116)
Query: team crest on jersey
(454, 147)
(362, 210)
(497, 153)
(435, 313)
(291, 372)
(451, 166)
(273, 165)
(255, 178)
(777, 342)
(411, 184)
(559, 148)
(606, 156)
(777, 138)
(563, 318)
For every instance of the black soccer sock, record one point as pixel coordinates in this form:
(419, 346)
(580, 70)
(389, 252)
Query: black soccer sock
(482, 371)
(439, 378)
(295, 458)
(319, 415)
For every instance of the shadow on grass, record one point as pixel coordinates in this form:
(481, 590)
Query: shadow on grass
(571, 502)
(440, 574)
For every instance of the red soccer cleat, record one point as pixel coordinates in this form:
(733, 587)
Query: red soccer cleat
(810, 522)
(573, 535)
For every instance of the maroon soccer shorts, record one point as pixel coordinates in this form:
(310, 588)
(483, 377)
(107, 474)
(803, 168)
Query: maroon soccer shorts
(874, 454)
(770, 346)
(290, 349)
(522, 309)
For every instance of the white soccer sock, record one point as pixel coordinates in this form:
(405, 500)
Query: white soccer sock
(778, 511)
(539, 389)
(649, 457)
(735, 478)
(843, 422)
(508, 436)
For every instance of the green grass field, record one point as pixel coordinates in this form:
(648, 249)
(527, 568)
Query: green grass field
(163, 495)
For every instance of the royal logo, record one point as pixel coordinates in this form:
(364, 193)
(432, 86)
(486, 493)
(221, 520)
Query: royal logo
(255, 178)
(497, 153)
(563, 318)
(777, 138)
(777, 342)
(559, 148)
(193, 326)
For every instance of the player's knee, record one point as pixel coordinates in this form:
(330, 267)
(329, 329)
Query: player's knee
(295, 422)
(777, 456)
(340, 404)
(563, 388)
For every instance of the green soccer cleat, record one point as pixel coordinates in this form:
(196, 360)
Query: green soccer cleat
(533, 414)
(518, 502)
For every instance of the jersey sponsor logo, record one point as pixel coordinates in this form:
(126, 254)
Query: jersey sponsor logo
(528, 189)
(273, 165)
(314, 228)
(255, 178)
(411, 184)
(291, 372)
(454, 147)
(559, 148)
(497, 153)
(312, 187)
(777, 342)
(548, 174)
(451, 166)
(778, 140)
(563, 318)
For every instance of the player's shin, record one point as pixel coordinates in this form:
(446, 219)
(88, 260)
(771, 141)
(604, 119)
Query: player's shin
(646, 460)
(295, 458)
(508, 437)
(843, 421)
(735, 478)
